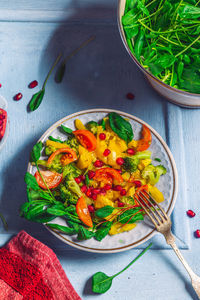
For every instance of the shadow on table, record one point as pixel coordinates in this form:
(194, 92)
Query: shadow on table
(101, 73)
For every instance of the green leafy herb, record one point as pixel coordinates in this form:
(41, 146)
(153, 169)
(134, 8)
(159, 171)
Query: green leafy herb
(36, 152)
(102, 282)
(38, 97)
(51, 138)
(61, 228)
(31, 181)
(66, 129)
(104, 211)
(103, 124)
(101, 232)
(84, 234)
(164, 36)
(131, 216)
(121, 127)
(36, 100)
(61, 70)
(157, 159)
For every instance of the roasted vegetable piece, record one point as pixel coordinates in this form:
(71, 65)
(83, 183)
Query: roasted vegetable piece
(152, 173)
(106, 173)
(131, 162)
(86, 139)
(83, 212)
(145, 141)
(52, 179)
(71, 185)
(67, 158)
(92, 126)
(67, 196)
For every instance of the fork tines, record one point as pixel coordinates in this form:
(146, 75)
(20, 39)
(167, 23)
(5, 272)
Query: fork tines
(151, 208)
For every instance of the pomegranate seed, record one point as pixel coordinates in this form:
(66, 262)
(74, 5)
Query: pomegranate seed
(120, 161)
(84, 189)
(130, 96)
(82, 177)
(77, 179)
(190, 213)
(91, 174)
(88, 192)
(106, 152)
(0, 85)
(137, 183)
(117, 188)
(102, 136)
(120, 204)
(91, 208)
(33, 84)
(18, 96)
(197, 233)
(96, 191)
(130, 151)
(107, 187)
(98, 163)
(123, 192)
(94, 197)
(103, 192)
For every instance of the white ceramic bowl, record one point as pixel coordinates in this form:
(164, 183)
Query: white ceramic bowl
(168, 184)
(174, 95)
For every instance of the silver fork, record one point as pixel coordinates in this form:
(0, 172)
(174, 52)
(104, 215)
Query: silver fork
(163, 225)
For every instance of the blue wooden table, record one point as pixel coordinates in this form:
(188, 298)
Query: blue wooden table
(32, 33)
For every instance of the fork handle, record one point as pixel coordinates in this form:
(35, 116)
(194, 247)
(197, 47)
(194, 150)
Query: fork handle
(170, 239)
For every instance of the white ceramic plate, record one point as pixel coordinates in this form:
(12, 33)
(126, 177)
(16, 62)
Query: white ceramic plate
(3, 104)
(168, 184)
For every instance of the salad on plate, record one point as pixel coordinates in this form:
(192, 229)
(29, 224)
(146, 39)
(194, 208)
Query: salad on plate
(92, 178)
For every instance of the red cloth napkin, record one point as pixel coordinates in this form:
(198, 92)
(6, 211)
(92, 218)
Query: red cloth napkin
(29, 270)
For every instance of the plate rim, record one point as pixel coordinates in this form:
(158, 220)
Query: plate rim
(168, 152)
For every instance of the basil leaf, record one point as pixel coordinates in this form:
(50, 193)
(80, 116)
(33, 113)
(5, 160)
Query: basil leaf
(70, 217)
(57, 210)
(74, 225)
(101, 282)
(36, 152)
(66, 129)
(36, 100)
(31, 181)
(101, 232)
(84, 234)
(61, 228)
(121, 127)
(104, 211)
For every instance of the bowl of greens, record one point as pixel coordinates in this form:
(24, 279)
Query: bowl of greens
(163, 39)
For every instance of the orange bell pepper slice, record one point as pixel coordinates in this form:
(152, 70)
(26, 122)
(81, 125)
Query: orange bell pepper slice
(108, 173)
(86, 139)
(145, 141)
(83, 212)
(67, 158)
